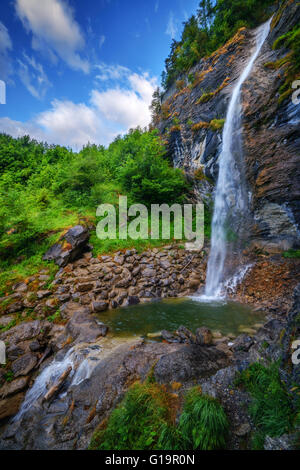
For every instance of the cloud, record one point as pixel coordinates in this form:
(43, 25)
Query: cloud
(5, 48)
(33, 76)
(156, 6)
(102, 40)
(108, 114)
(111, 72)
(54, 30)
(172, 27)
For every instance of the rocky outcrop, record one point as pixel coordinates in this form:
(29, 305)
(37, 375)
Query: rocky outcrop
(70, 247)
(191, 123)
(68, 421)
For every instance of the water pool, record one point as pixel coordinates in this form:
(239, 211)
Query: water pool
(143, 319)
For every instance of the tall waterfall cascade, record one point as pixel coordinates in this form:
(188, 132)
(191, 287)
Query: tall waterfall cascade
(231, 196)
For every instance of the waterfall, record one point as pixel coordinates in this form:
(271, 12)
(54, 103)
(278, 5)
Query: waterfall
(231, 197)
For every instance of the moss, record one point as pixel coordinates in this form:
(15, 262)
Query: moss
(291, 61)
(217, 124)
(180, 84)
(200, 125)
(205, 98)
(175, 129)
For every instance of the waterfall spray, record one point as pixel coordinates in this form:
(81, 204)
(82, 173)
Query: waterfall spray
(231, 199)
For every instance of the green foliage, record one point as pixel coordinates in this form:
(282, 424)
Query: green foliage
(215, 23)
(9, 376)
(145, 420)
(271, 407)
(203, 423)
(136, 423)
(290, 40)
(46, 189)
(291, 254)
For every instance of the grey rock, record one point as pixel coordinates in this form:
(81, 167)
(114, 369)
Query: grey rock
(24, 364)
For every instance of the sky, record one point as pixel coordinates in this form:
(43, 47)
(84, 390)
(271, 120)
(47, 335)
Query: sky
(79, 71)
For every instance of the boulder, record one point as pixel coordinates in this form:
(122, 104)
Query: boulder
(10, 406)
(71, 246)
(204, 336)
(24, 364)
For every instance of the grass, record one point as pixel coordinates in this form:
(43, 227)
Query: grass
(146, 420)
(291, 254)
(271, 407)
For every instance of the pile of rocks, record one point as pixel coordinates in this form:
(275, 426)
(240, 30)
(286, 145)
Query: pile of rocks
(108, 282)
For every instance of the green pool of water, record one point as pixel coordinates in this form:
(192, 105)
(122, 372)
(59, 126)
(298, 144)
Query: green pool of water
(140, 320)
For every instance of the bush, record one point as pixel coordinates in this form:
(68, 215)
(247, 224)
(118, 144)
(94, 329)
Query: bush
(145, 420)
(271, 408)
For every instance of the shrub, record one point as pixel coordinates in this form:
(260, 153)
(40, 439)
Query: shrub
(203, 423)
(137, 422)
(145, 420)
(270, 408)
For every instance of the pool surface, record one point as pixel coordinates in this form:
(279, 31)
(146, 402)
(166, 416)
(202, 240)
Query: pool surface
(145, 319)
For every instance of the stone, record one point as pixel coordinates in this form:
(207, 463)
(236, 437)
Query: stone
(11, 388)
(243, 430)
(72, 245)
(41, 294)
(99, 306)
(10, 406)
(194, 284)
(185, 335)
(14, 308)
(24, 364)
(133, 300)
(20, 287)
(149, 272)
(284, 442)
(119, 260)
(242, 343)
(6, 320)
(22, 332)
(204, 336)
(85, 287)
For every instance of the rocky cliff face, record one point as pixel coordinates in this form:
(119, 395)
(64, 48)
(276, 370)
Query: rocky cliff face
(192, 117)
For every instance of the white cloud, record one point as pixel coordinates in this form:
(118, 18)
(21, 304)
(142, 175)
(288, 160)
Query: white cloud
(33, 76)
(111, 72)
(172, 27)
(54, 30)
(108, 114)
(156, 6)
(5, 47)
(102, 40)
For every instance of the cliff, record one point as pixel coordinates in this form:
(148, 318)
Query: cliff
(192, 117)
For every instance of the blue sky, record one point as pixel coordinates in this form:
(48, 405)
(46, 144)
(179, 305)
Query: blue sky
(79, 71)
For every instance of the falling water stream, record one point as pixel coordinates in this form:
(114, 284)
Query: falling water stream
(231, 197)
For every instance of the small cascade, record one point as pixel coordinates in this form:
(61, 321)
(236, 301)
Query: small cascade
(81, 359)
(231, 197)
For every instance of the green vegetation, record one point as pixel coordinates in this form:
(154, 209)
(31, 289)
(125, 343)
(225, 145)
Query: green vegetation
(213, 25)
(145, 420)
(291, 254)
(46, 189)
(291, 61)
(271, 406)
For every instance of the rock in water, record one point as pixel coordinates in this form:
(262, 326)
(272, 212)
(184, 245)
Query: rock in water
(70, 247)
